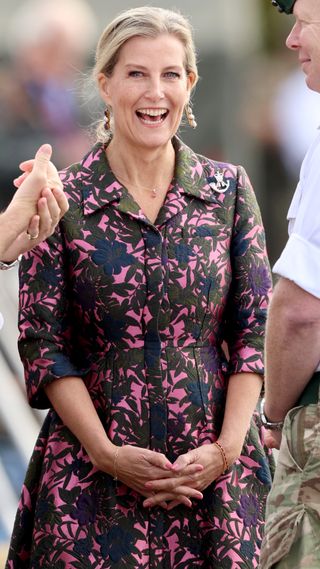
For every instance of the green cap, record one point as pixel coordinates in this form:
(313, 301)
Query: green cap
(284, 5)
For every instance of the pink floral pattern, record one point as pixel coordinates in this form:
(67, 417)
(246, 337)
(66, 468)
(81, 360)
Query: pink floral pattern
(140, 311)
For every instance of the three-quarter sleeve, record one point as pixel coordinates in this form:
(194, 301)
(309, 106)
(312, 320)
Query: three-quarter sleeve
(251, 283)
(45, 332)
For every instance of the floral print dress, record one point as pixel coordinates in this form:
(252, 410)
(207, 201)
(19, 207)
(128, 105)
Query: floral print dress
(140, 311)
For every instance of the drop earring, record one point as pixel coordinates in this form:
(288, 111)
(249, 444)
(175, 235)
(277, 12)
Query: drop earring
(107, 119)
(190, 116)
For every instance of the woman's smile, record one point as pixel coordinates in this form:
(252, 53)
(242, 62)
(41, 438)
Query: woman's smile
(153, 117)
(147, 91)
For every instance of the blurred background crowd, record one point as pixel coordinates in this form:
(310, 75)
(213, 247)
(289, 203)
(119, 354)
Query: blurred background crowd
(251, 105)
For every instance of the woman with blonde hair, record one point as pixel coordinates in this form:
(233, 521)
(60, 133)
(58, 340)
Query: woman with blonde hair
(151, 454)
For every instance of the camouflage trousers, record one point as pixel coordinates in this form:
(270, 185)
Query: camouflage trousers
(292, 531)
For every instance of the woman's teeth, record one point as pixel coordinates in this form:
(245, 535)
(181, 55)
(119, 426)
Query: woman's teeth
(152, 116)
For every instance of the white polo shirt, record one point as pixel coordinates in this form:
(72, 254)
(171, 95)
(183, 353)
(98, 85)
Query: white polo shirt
(300, 259)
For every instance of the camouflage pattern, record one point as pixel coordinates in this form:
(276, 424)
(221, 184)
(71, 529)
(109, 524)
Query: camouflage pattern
(292, 532)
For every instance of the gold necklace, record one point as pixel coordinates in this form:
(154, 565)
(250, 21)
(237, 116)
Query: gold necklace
(154, 191)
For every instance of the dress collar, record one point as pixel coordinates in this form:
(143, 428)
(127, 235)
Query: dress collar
(194, 175)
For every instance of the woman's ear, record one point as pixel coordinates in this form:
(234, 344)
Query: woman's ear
(191, 79)
(103, 85)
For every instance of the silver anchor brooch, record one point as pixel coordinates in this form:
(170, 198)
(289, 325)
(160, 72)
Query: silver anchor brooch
(218, 182)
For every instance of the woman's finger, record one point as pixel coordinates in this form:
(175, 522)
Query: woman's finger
(18, 181)
(162, 504)
(170, 484)
(159, 460)
(181, 493)
(169, 473)
(188, 475)
(187, 459)
(188, 470)
(156, 500)
(53, 179)
(46, 225)
(61, 200)
(27, 165)
(53, 206)
(34, 228)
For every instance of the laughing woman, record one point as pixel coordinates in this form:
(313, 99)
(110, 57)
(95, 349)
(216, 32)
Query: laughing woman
(151, 455)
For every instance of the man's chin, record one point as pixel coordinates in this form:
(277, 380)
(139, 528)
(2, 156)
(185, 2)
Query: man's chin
(313, 84)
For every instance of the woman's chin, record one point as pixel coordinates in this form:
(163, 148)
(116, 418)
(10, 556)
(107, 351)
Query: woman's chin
(152, 138)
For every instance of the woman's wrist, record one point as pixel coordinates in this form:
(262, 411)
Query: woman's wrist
(115, 463)
(225, 461)
(102, 456)
(231, 450)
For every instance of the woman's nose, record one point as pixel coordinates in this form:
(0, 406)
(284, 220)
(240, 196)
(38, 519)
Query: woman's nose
(155, 91)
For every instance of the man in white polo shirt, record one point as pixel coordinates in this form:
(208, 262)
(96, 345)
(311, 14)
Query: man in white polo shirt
(292, 536)
(34, 211)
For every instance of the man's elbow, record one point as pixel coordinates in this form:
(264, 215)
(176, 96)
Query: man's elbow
(295, 308)
(295, 319)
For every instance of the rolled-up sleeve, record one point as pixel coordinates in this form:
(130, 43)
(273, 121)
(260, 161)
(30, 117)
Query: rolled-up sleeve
(300, 263)
(45, 332)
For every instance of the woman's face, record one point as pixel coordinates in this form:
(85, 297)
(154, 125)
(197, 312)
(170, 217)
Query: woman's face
(147, 91)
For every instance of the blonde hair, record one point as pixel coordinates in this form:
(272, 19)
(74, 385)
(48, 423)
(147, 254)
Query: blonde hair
(148, 22)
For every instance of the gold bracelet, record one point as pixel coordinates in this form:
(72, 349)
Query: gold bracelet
(223, 454)
(115, 464)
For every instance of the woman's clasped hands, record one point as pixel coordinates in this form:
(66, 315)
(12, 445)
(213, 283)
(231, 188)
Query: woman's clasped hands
(165, 484)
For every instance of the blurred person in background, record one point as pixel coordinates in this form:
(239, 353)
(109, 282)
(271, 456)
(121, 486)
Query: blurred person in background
(295, 114)
(151, 455)
(48, 45)
(291, 409)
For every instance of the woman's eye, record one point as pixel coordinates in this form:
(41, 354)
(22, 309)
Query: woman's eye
(172, 75)
(135, 73)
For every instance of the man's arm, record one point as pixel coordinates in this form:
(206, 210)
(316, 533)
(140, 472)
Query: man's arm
(292, 346)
